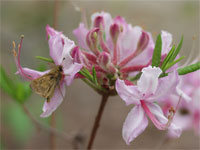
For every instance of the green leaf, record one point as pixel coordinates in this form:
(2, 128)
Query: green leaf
(169, 65)
(188, 69)
(94, 76)
(157, 52)
(45, 59)
(86, 74)
(17, 90)
(136, 77)
(23, 91)
(17, 122)
(176, 52)
(167, 58)
(6, 83)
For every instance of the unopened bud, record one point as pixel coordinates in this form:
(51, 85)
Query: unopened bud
(98, 22)
(75, 53)
(143, 42)
(92, 40)
(114, 32)
(104, 59)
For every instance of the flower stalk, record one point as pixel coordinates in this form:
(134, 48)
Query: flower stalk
(97, 121)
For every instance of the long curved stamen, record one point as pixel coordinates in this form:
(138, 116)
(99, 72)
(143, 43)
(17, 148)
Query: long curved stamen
(17, 59)
(188, 61)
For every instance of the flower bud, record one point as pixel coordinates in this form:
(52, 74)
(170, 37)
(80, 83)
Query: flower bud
(75, 53)
(92, 40)
(98, 22)
(104, 59)
(143, 42)
(114, 32)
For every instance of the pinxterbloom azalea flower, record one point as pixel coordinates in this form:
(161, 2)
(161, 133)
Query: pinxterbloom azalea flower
(145, 95)
(60, 51)
(113, 47)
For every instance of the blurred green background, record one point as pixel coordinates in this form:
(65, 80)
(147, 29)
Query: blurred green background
(76, 114)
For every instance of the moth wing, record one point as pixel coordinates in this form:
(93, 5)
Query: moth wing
(44, 85)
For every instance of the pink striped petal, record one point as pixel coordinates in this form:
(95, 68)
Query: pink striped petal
(33, 74)
(159, 120)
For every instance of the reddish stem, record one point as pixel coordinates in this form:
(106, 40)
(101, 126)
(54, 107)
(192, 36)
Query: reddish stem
(97, 121)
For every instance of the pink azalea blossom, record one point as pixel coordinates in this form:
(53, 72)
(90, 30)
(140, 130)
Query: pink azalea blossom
(113, 46)
(188, 115)
(149, 89)
(60, 51)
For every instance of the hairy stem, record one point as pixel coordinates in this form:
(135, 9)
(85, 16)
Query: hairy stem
(97, 121)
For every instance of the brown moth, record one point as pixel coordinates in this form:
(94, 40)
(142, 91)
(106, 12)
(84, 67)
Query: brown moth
(46, 84)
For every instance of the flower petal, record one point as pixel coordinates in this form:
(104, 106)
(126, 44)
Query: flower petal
(184, 122)
(128, 93)
(70, 68)
(166, 86)
(51, 32)
(80, 34)
(32, 73)
(71, 72)
(166, 41)
(135, 124)
(128, 40)
(158, 113)
(148, 82)
(56, 48)
(55, 101)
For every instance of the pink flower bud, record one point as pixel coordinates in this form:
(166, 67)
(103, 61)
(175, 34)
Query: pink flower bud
(143, 42)
(114, 32)
(104, 59)
(92, 40)
(75, 53)
(98, 22)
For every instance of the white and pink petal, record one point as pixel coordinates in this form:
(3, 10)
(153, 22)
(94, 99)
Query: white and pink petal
(148, 82)
(55, 101)
(135, 123)
(128, 93)
(80, 33)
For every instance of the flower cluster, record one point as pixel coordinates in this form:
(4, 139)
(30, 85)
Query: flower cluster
(115, 57)
(114, 47)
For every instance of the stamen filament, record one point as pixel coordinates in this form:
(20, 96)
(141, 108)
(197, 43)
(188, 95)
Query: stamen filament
(18, 59)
